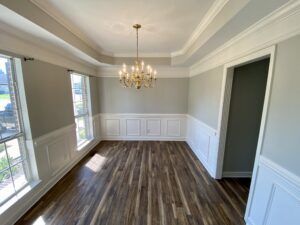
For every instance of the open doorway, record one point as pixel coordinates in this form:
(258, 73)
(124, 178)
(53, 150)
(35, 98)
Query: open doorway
(245, 113)
(266, 57)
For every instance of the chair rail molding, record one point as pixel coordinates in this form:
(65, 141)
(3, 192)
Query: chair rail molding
(203, 140)
(127, 126)
(54, 154)
(277, 196)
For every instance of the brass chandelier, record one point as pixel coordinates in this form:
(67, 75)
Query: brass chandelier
(140, 76)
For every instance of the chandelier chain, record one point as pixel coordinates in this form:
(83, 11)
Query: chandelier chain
(137, 43)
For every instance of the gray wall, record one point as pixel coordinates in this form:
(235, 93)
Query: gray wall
(169, 96)
(204, 96)
(94, 95)
(282, 135)
(246, 105)
(48, 95)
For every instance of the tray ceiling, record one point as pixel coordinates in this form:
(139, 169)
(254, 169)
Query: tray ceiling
(107, 25)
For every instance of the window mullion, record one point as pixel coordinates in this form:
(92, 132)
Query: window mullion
(9, 167)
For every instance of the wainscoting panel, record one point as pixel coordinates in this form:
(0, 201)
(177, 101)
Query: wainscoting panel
(133, 127)
(54, 154)
(57, 155)
(143, 127)
(173, 128)
(153, 127)
(276, 196)
(112, 127)
(203, 141)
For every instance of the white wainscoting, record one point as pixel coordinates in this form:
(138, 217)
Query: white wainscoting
(143, 127)
(54, 154)
(276, 196)
(203, 140)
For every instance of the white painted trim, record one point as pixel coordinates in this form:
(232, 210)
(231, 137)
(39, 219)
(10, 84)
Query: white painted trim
(162, 71)
(142, 55)
(280, 25)
(14, 44)
(234, 174)
(209, 129)
(51, 12)
(31, 197)
(226, 96)
(280, 171)
(224, 110)
(203, 141)
(216, 7)
(143, 132)
(142, 115)
(274, 179)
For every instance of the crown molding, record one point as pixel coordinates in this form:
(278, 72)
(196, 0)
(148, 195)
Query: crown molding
(279, 25)
(214, 10)
(162, 71)
(142, 55)
(51, 12)
(14, 44)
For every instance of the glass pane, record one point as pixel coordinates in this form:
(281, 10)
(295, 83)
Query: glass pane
(9, 124)
(81, 129)
(77, 81)
(79, 108)
(77, 96)
(3, 158)
(13, 151)
(19, 176)
(6, 185)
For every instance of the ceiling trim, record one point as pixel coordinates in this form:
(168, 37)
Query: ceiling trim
(162, 71)
(279, 25)
(51, 12)
(14, 44)
(213, 11)
(142, 55)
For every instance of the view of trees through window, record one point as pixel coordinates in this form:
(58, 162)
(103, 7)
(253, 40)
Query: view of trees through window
(14, 173)
(81, 107)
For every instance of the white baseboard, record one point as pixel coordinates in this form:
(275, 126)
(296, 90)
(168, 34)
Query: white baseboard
(203, 140)
(164, 127)
(55, 154)
(233, 174)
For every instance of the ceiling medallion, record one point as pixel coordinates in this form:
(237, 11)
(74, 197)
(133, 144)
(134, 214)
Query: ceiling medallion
(140, 76)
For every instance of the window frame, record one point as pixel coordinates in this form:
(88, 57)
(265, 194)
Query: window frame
(20, 136)
(86, 116)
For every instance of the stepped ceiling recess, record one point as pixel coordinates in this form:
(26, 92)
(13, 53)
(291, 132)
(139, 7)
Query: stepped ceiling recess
(99, 33)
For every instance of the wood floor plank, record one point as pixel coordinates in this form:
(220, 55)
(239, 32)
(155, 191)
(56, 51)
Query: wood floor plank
(141, 183)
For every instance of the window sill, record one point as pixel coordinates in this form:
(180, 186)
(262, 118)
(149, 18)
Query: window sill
(84, 144)
(21, 194)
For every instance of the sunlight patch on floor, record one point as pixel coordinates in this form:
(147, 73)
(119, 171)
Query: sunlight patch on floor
(39, 221)
(96, 163)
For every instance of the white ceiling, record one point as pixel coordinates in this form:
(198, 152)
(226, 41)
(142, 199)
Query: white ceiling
(107, 24)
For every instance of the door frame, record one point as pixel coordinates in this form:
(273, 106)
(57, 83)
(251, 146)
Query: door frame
(228, 72)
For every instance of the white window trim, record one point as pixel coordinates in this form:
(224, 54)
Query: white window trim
(25, 133)
(84, 144)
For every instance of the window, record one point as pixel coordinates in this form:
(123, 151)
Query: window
(81, 105)
(14, 170)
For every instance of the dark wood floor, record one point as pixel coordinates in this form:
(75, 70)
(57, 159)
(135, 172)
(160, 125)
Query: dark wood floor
(144, 183)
